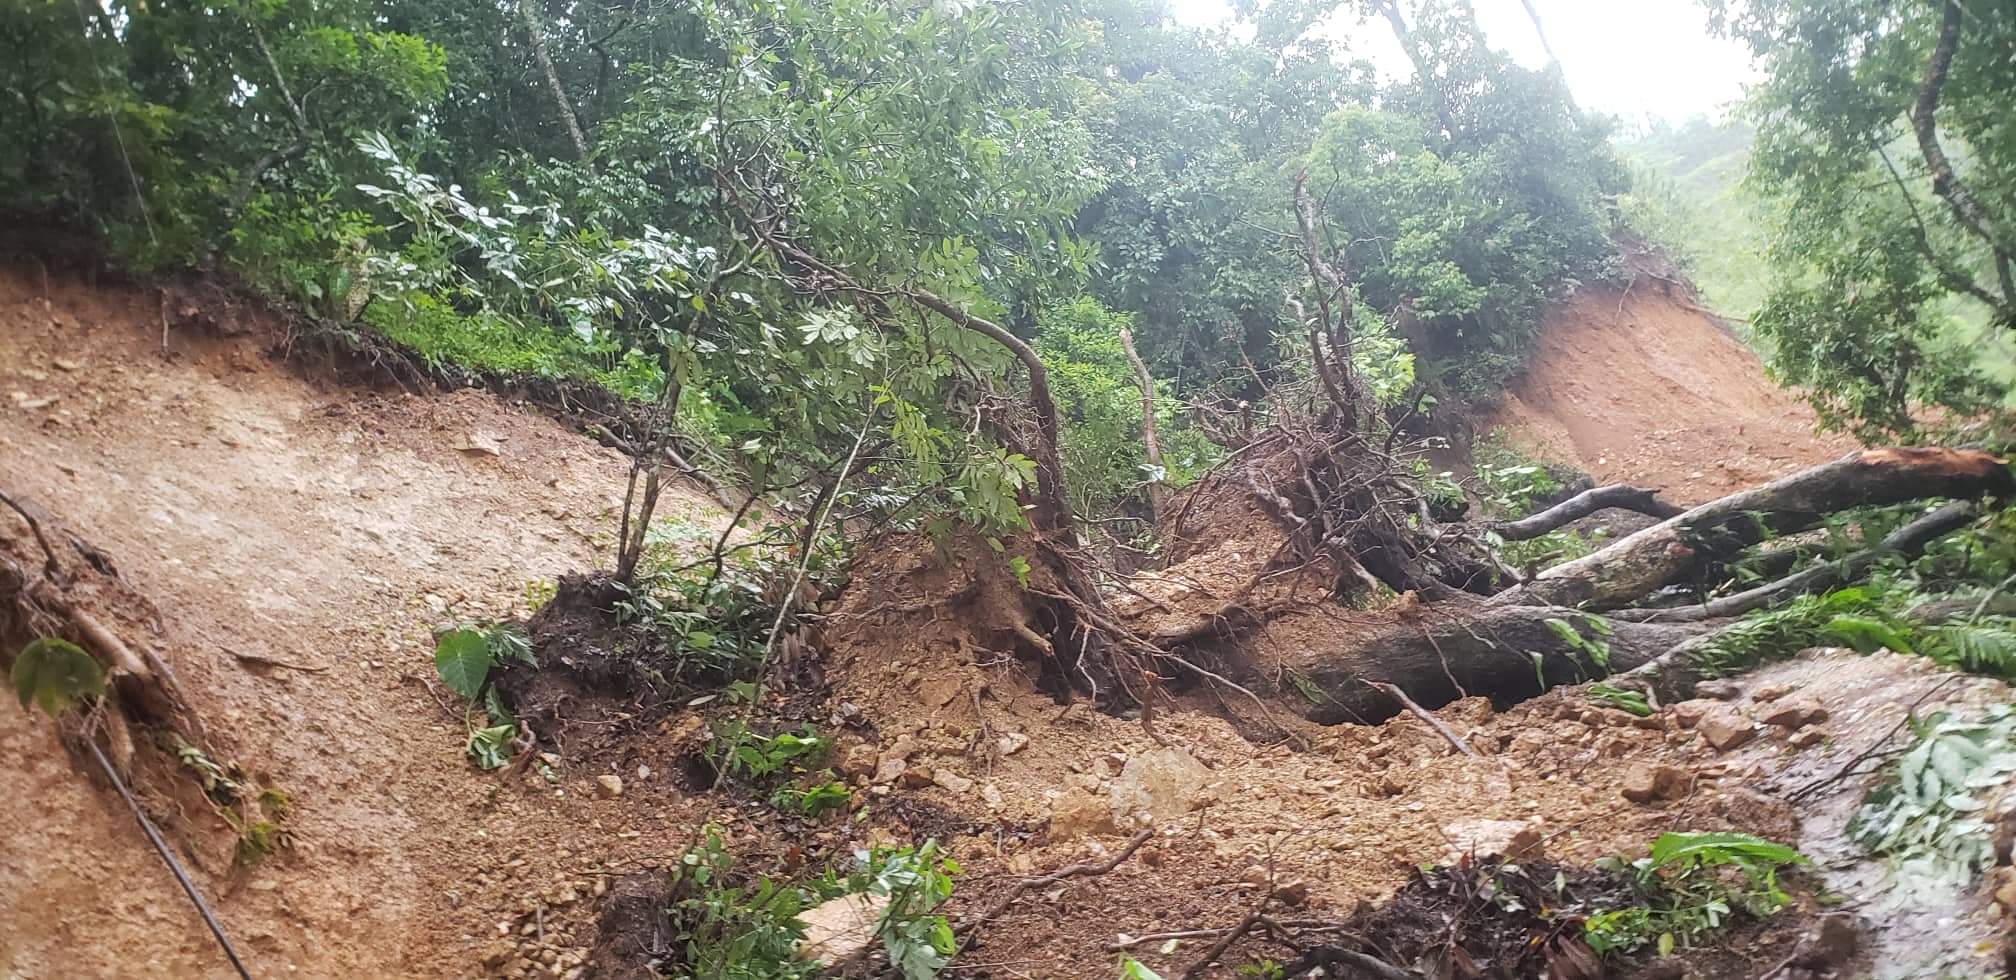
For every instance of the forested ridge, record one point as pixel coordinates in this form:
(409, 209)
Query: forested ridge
(974, 379)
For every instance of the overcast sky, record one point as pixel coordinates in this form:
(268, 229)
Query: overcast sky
(1629, 58)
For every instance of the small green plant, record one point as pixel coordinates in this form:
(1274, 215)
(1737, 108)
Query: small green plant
(55, 674)
(1689, 885)
(1621, 698)
(745, 754)
(917, 882)
(465, 655)
(1133, 969)
(1595, 647)
(732, 928)
(826, 793)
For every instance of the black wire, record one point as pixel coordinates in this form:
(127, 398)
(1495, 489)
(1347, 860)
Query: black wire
(161, 848)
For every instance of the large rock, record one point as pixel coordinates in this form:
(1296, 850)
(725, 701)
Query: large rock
(840, 929)
(1646, 783)
(1077, 813)
(1687, 714)
(1158, 786)
(1794, 713)
(1513, 840)
(1726, 728)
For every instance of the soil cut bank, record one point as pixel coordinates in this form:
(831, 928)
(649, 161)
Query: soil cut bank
(1639, 386)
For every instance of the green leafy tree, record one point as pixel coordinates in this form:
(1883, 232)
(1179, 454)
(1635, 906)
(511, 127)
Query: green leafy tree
(1887, 156)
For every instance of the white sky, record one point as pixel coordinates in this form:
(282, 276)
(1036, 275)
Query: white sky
(1628, 58)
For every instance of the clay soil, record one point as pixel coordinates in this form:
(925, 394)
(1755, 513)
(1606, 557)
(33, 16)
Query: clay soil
(266, 512)
(1640, 386)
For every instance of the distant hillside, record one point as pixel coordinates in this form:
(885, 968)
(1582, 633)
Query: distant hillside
(1689, 179)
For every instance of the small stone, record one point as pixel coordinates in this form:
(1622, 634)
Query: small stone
(1725, 729)
(860, 760)
(609, 786)
(889, 769)
(1718, 690)
(2004, 884)
(66, 364)
(1292, 893)
(840, 929)
(952, 782)
(915, 778)
(480, 443)
(1514, 840)
(1687, 714)
(1771, 692)
(1011, 743)
(1644, 784)
(1806, 738)
(1793, 713)
(991, 795)
(1832, 942)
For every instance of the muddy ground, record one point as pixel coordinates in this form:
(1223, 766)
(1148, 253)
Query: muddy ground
(267, 512)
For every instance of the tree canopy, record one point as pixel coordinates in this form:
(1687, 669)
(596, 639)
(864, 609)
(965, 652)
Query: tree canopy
(1886, 155)
(784, 221)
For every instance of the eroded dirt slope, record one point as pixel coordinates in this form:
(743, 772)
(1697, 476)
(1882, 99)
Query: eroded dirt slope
(1641, 386)
(327, 526)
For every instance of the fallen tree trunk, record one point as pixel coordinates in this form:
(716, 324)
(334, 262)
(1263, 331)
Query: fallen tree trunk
(1461, 647)
(1681, 548)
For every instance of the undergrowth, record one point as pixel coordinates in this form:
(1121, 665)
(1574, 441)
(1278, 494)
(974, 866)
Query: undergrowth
(1690, 885)
(734, 926)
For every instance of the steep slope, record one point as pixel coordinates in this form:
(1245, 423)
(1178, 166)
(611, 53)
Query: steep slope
(1642, 386)
(329, 527)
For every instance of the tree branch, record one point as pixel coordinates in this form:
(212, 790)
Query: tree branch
(1945, 182)
(1640, 499)
(1157, 492)
(560, 100)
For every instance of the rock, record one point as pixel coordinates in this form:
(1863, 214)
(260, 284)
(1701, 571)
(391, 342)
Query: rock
(889, 768)
(903, 748)
(938, 689)
(1513, 840)
(1292, 893)
(1725, 729)
(1076, 814)
(1771, 692)
(66, 364)
(1646, 783)
(915, 778)
(1718, 690)
(1832, 943)
(2003, 887)
(480, 443)
(951, 781)
(1157, 786)
(1687, 714)
(991, 795)
(860, 760)
(1806, 738)
(840, 929)
(609, 786)
(1011, 743)
(1793, 713)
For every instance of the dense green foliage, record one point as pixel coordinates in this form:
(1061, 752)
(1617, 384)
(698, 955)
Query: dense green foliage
(1688, 195)
(605, 192)
(1886, 158)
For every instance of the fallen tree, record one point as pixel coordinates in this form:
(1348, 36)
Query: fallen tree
(1588, 618)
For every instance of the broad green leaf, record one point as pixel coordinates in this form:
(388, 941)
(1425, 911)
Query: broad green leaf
(55, 674)
(462, 658)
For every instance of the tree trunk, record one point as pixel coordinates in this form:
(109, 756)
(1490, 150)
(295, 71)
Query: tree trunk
(1439, 652)
(1680, 549)
(560, 100)
(1150, 441)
